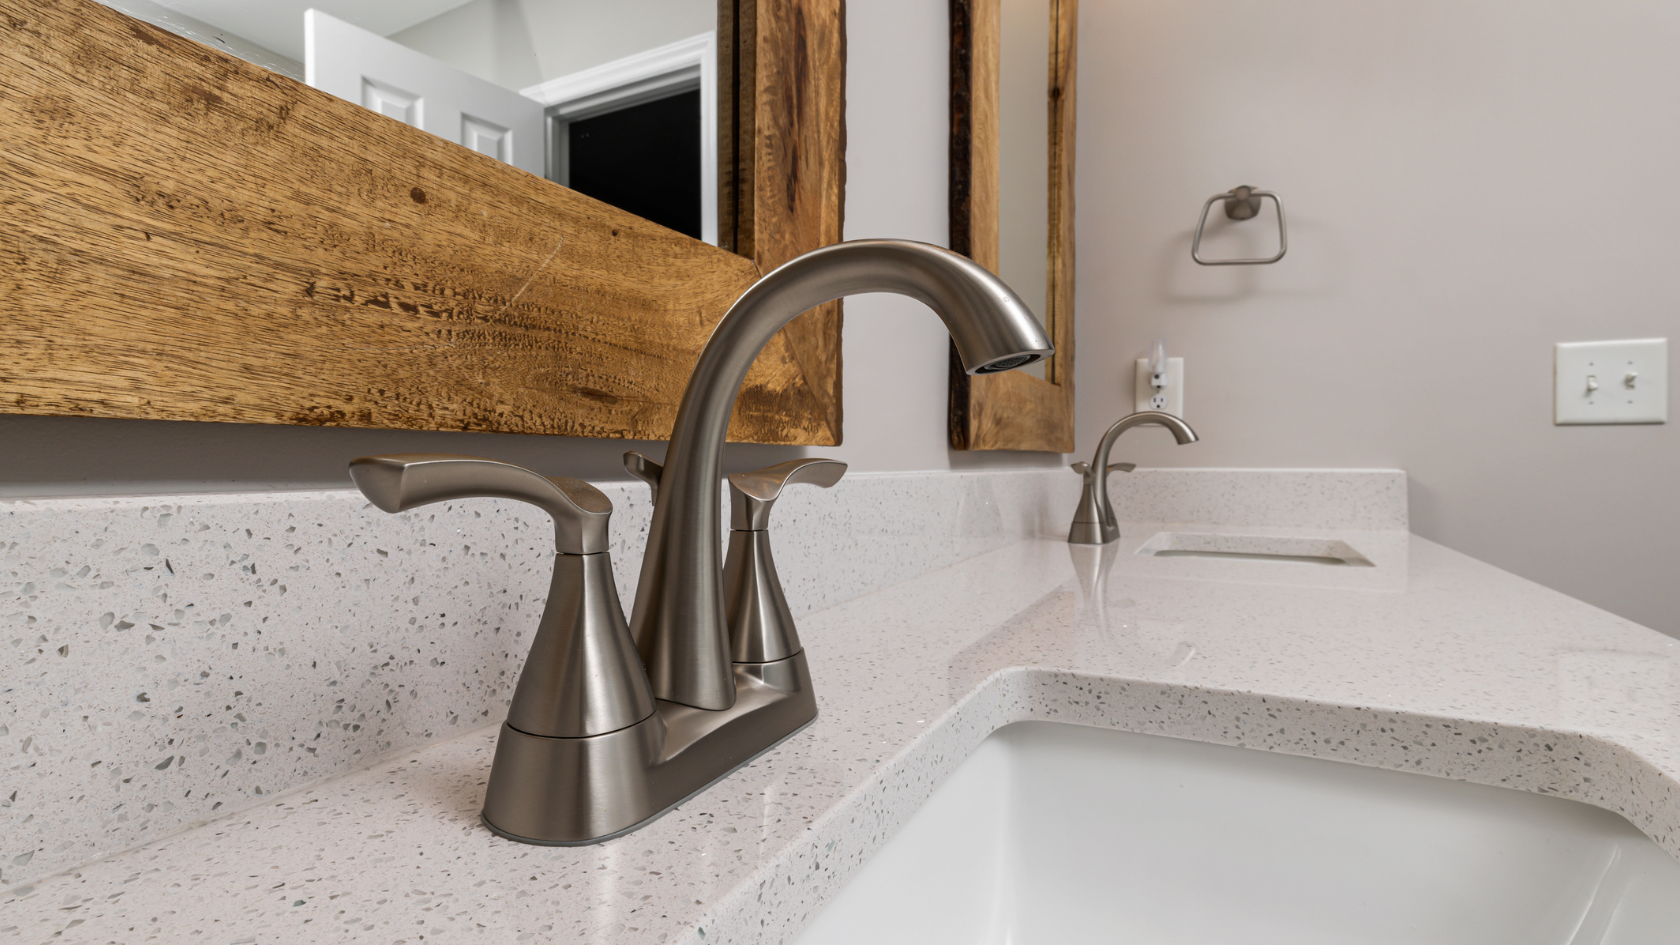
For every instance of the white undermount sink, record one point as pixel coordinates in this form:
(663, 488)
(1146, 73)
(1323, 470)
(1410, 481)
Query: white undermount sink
(1054, 833)
(1253, 547)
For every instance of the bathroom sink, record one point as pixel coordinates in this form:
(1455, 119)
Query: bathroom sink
(1329, 551)
(1058, 833)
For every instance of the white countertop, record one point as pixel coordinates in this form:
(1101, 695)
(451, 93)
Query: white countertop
(1430, 661)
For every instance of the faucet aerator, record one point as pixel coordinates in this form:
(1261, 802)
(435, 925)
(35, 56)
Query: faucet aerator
(1009, 364)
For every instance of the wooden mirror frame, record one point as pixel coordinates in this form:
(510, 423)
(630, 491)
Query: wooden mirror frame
(1011, 410)
(189, 236)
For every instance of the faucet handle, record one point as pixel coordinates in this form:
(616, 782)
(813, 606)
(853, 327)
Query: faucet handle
(751, 495)
(1083, 467)
(644, 469)
(761, 628)
(582, 676)
(402, 481)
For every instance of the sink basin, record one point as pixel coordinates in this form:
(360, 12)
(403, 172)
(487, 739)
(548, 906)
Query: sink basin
(1059, 833)
(1329, 551)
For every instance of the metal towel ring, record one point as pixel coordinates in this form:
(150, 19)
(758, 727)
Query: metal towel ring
(1241, 203)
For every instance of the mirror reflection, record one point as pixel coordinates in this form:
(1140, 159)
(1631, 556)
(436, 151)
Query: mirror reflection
(616, 99)
(1024, 54)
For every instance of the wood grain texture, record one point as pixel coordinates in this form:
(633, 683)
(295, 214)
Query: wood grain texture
(192, 237)
(791, 144)
(1012, 411)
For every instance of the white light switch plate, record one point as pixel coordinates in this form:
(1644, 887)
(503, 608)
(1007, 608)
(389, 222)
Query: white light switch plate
(1611, 381)
(1171, 397)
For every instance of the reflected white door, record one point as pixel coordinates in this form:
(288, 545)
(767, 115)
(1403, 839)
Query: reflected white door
(388, 77)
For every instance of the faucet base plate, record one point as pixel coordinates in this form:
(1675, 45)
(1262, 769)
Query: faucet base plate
(642, 823)
(577, 791)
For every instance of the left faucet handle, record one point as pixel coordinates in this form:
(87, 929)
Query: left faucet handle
(403, 481)
(582, 677)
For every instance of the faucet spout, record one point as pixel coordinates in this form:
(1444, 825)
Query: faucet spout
(1093, 522)
(678, 619)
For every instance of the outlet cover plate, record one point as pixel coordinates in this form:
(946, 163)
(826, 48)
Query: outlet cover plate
(1611, 382)
(1172, 395)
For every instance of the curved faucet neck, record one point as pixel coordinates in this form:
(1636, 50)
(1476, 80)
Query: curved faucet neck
(678, 619)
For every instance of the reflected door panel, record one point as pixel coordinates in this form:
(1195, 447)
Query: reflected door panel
(364, 67)
(504, 78)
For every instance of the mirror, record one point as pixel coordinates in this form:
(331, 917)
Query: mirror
(194, 237)
(1023, 134)
(1011, 200)
(617, 99)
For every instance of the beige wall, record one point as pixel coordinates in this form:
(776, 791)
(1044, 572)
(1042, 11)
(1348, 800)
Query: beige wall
(1467, 184)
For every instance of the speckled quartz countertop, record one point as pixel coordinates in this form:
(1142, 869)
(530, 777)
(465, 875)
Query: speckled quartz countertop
(1430, 661)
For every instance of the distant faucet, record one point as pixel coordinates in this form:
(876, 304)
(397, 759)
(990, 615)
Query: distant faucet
(1093, 519)
(598, 743)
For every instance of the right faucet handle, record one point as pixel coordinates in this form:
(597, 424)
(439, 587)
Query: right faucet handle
(761, 628)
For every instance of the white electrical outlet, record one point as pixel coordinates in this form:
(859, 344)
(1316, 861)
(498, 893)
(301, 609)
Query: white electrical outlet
(1168, 399)
(1611, 382)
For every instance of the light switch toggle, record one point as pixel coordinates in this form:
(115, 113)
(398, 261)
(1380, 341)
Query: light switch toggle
(1641, 367)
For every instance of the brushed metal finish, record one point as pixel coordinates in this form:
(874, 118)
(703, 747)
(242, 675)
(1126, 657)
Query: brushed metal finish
(1093, 518)
(644, 469)
(678, 620)
(761, 628)
(587, 752)
(571, 791)
(582, 676)
(401, 481)
(1087, 516)
(1241, 203)
(751, 495)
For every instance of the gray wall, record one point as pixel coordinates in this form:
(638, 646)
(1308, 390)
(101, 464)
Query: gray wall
(1467, 184)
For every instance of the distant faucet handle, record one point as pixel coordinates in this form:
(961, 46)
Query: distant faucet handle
(403, 481)
(644, 469)
(751, 495)
(1083, 467)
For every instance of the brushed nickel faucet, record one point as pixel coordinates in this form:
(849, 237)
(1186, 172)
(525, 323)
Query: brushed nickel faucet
(605, 734)
(761, 625)
(1093, 518)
